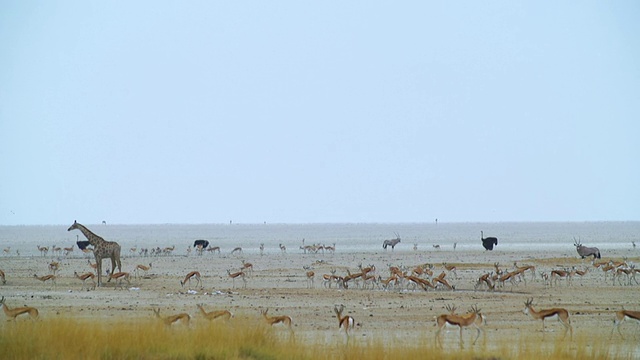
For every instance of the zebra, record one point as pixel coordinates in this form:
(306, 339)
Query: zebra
(392, 242)
(584, 251)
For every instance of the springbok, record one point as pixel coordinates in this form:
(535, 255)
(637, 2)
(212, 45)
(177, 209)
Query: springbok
(560, 313)
(344, 322)
(473, 318)
(273, 320)
(13, 313)
(621, 316)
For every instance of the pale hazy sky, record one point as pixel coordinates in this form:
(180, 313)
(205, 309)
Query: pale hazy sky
(330, 111)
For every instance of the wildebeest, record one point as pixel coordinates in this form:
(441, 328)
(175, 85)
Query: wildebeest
(488, 242)
(391, 242)
(201, 243)
(82, 244)
(584, 251)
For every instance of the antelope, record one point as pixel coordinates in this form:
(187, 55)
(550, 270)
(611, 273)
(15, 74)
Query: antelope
(55, 249)
(510, 276)
(4, 280)
(236, 250)
(214, 249)
(435, 246)
(68, 250)
(524, 268)
(143, 268)
(119, 277)
(46, 278)
(273, 320)
(168, 250)
(239, 274)
(344, 322)
(283, 249)
(184, 317)
(391, 242)
(328, 279)
(189, 276)
(484, 280)
(310, 278)
(560, 274)
(94, 266)
(13, 313)
(584, 251)
(451, 268)
(473, 318)
(247, 266)
(213, 315)
(261, 249)
(43, 250)
(84, 278)
(621, 316)
(560, 313)
(53, 267)
(7, 251)
(331, 249)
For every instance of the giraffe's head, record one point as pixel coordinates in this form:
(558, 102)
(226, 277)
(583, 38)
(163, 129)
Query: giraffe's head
(74, 226)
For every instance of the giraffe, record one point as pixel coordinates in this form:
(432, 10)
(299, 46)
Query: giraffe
(102, 249)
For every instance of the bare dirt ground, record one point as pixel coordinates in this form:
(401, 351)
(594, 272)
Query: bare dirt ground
(278, 282)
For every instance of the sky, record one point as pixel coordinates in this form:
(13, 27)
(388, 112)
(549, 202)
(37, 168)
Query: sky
(152, 112)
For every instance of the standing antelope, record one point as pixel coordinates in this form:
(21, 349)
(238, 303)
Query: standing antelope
(84, 278)
(239, 274)
(391, 242)
(184, 317)
(344, 322)
(220, 314)
(13, 313)
(273, 320)
(473, 318)
(4, 280)
(119, 277)
(621, 316)
(310, 278)
(560, 313)
(189, 276)
(584, 251)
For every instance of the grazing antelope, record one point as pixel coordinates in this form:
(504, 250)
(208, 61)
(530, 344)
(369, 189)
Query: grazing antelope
(239, 274)
(236, 250)
(46, 278)
(473, 318)
(189, 276)
(214, 249)
(213, 315)
(143, 268)
(13, 313)
(273, 320)
(331, 249)
(4, 280)
(621, 316)
(119, 277)
(560, 313)
(184, 317)
(435, 246)
(524, 268)
(84, 278)
(347, 323)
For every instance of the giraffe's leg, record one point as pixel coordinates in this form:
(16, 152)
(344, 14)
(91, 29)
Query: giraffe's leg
(99, 270)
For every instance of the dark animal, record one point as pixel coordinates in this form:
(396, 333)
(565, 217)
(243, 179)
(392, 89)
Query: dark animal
(392, 242)
(488, 242)
(203, 243)
(584, 251)
(82, 244)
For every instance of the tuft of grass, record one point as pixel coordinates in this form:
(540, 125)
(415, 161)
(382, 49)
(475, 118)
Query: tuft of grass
(245, 339)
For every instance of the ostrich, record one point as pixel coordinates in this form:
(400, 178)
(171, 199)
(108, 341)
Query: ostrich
(488, 242)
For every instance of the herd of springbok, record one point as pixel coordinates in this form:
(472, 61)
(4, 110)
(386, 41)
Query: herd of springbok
(422, 277)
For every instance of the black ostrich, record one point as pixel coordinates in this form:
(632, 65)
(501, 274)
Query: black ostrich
(489, 242)
(82, 244)
(202, 243)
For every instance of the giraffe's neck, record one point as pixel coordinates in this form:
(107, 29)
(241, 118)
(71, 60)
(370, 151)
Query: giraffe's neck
(93, 238)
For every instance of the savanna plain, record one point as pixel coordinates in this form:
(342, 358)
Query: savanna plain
(396, 320)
